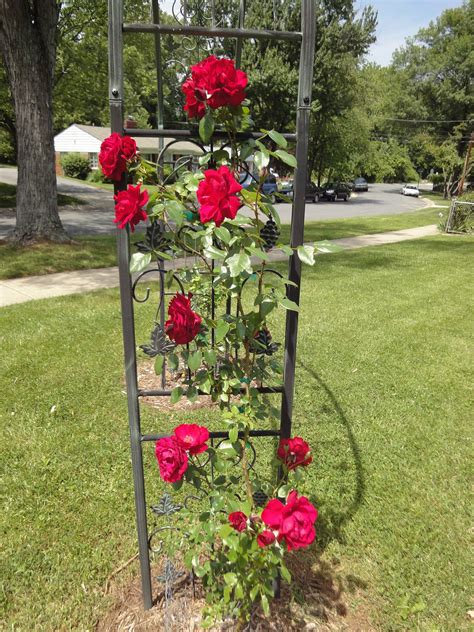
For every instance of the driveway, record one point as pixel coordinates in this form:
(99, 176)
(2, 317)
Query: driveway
(96, 216)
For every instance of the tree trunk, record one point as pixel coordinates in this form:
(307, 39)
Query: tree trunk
(28, 46)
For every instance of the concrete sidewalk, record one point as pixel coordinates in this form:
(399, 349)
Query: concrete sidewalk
(32, 288)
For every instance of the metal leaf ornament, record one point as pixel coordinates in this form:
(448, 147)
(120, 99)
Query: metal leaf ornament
(155, 239)
(165, 506)
(160, 344)
(262, 343)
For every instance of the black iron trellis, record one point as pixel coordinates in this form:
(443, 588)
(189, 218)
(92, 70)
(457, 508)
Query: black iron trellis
(117, 28)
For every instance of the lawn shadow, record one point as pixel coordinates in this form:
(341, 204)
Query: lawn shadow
(331, 522)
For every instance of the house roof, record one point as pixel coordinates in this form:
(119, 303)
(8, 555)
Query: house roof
(146, 144)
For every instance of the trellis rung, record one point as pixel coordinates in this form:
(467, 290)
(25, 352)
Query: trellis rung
(203, 31)
(218, 434)
(194, 133)
(167, 393)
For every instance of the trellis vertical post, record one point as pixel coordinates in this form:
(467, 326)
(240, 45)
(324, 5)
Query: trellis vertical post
(128, 327)
(308, 28)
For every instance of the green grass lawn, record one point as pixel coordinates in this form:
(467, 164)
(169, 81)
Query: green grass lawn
(8, 197)
(437, 198)
(99, 251)
(382, 395)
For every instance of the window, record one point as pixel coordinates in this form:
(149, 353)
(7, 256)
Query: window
(93, 160)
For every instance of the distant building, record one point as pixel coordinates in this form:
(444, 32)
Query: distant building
(86, 140)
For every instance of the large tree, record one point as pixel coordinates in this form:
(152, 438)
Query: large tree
(28, 48)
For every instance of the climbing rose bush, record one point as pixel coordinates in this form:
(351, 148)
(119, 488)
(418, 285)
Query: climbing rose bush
(236, 524)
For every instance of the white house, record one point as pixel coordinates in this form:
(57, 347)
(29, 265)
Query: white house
(86, 140)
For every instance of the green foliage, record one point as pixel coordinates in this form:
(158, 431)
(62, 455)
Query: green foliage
(96, 175)
(75, 166)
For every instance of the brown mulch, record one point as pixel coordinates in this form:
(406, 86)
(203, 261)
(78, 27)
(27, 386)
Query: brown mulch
(315, 601)
(148, 380)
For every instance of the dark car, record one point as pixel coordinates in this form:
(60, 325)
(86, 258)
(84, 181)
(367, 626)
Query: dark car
(269, 186)
(360, 184)
(312, 192)
(333, 191)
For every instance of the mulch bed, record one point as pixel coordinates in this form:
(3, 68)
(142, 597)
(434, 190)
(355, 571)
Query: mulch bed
(315, 601)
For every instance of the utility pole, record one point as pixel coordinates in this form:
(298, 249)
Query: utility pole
(466, 165)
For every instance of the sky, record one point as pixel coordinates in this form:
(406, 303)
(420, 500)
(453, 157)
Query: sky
(398, 19)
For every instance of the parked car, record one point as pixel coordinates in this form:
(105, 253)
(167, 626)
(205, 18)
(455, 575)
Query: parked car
(312, 191)
(269, 187)
(360, 184)
(333, 191)
(411, 189)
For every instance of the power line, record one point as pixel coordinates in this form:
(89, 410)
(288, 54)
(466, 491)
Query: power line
(400, 120)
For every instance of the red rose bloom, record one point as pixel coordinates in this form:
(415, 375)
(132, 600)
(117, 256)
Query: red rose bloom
(111, 159)
(238, 520)
(294, 452)
(172, 459)
(192, 438)
(114, 153)
(128, 206)
(195, 104)
(183, 324)
(265, 538)
(294, 521)
(216, 82)
(216, 195)
(129, 148)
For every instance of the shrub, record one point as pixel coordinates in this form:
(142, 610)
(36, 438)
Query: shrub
(75, 166)
(96, 175)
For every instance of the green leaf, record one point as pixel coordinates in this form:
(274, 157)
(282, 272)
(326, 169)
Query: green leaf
(221, 330)
(230, 579)
(192, 394)
(176, 395)
(223, 234)
(285, 573)
(288, 250)
(206, 127)
(258, 252)
(173, 362)
(291, 305)
(194, 361)
(204, 159)
(254, 591)
(261, 160)
(247, 149)
(210, 357)
(159, 360)
(233, 434)
(238, 263)
(327, 246)
(306, 254)
(265, 605)
(285, 157)
(139, 261)
(214, 253)
(221, 155)
(266, 306)
(277, 138)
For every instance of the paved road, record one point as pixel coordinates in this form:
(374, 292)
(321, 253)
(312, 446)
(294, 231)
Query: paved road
(96, 217)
